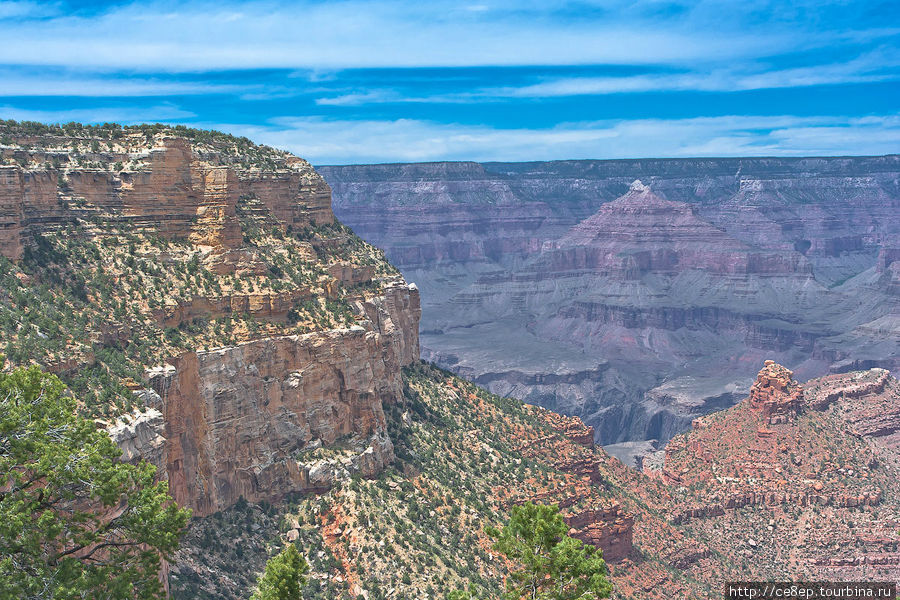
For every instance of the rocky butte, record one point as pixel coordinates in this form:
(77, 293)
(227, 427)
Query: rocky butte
(640, 294)
(800, 480)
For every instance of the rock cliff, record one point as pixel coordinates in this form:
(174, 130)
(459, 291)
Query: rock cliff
(640, 294)
(204, 303)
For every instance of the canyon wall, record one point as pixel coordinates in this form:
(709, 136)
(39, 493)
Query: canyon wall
(167, 188)
(278, 415)
(247, 420)
(640, 294)
(261, 412)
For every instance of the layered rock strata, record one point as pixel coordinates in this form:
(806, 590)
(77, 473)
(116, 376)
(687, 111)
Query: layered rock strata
(167, 188)
(247, 420)
(640, 295)
(11, 212)
(247, 407)
(817, 462)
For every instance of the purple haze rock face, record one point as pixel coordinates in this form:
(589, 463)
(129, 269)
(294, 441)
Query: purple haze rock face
(640, 294)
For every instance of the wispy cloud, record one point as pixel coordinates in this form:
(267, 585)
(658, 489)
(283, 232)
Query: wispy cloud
(873, 67)
(94, 85)
(25, 9)
(882, 64)
(325, 142)
(182, 37)
(126, 115)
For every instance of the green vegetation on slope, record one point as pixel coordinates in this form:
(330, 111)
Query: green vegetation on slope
(285, 574)
(418, 530)
(75, 522)
(554, 565)
(92, 301)
(84, 141)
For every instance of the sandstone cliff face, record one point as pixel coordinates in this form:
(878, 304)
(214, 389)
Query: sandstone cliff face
(245, 420)
(11, 203)
(167, 188)
(280, 415)
(640, 294)
(280, 335)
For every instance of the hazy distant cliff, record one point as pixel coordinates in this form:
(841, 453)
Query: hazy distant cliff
(640, 305)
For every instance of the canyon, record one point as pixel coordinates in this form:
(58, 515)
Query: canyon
(202, 303)
(640, 294)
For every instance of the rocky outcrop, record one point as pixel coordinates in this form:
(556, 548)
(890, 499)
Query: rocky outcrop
(140, 435)
(610, 529)
(828, 390)
(816, 462)
(167, 187)
(248, 420)
(594, 287)
(395, 315)
(298, 198)
(866, 399)
(263, 306)
(775, 393)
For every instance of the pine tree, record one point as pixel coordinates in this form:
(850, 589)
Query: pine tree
(285, 574)
(75, 521)
(554, 565)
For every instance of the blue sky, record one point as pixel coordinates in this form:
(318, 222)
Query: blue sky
(384, 81)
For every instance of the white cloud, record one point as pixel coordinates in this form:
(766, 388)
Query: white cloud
(405, 140)
(19, 10)
(166, 113)
(97, 86)
(206, 36)
(881, 64)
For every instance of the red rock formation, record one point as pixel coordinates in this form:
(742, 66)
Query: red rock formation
(610, 529)
(605, 525)
(11, 201)
(817, 463)
(775, 394)
(573, 428)
(172, 191)
(238, 420)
